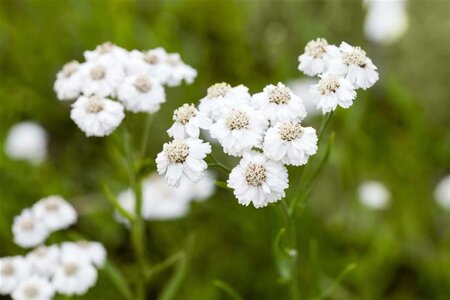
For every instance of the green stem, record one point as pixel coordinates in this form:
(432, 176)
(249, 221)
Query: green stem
(218, 164)
(145, 134)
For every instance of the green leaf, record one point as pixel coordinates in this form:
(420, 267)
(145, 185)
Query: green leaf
(172, 260)
(118, 280)
(336, 282)
(282, 258)
(227, 289)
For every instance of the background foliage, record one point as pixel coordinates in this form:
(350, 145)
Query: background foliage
(397, 133)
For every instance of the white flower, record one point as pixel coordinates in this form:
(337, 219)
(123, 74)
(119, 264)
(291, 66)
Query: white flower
(43, 260)
(442, 192)
(201, 190)
(74, 275)
(68, 81)
(34, 288)
(302, 88)
(55, 212)
(279, 104)
(353, 64)
(97, 116)
(187, 122)
(28, 231)
(290, 143)
(94, 252)
(13, 270)
(331, 91)
(315, 59)
(183, 158)
(101, 77)
(141, 93)
(151, 62)
(27, 141)
(221, 98)
(178, 71)
(239, 130)
(258, 180)
(107, 52)
(374, 194)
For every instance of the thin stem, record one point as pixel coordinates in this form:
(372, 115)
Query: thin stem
(218, 164)
(146, 133)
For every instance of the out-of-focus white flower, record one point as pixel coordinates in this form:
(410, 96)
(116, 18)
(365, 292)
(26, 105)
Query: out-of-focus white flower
(28, 231)
(374, 194)
(151, 62)
(179, 71)
(187, 122)
(13, 270)
(290, 143)
(127, 201)
(101, 77)
(201, 190)
(353, 64)
(107, 52)
(331, 91)
(43, 260)
(94, 252)
(141, 93)
(279, 104)
(221, 98)
(55, 213)
(34, 288)
(386, 21)
(97, 116)
(442, 192)
(302, 88)
(183, 158)
(27, 141)
(315, 59)
(68, 81)
(258, 180)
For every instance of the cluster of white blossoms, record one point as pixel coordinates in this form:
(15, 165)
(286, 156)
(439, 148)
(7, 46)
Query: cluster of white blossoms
(69, 268)
(341, 70)
(113, 80)
(374, 194)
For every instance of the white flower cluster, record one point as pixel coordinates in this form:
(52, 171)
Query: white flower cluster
(134, 78)
(341, 70)
(69, 268)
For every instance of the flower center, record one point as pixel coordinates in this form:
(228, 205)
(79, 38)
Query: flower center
(356, 57)
(329, 84)
(27, 224)
(83, 244)
(177, 152)
(218, 90)
(237, 119)
(184, 113)
(41, 251)
(31, 292)
(70, 68)
(7, 269)
(98, 72)
(255, 174)
(142, 84)
(290, 131)
(106, 47)
(70, 269)
(279, 95)
(51, 205)
(316, 48)
(94, 105)
(151, 58)
(173, 60)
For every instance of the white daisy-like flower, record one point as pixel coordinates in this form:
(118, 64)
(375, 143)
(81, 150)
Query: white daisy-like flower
(258, 180)
(74, 275)
(353, 64)
(187, 122)
(279, 104)
(333, 90)
(28, 231)
(55, 212)
(13, 270)
(221, 98)
(101, 77)
(34, 288)
(27, 141)
(442, 192)
(141, 93)
(97, 116)
(183, 158)
(68, 81)
(315, 59)
(178, 71)
(239, 130)
(43, 260)
(151, 62)
(290, 143)
(108, 52)
(374, 194)
(94, 252)
(302, 88)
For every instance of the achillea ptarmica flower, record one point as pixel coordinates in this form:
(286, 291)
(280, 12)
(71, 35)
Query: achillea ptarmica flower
(141, 93)
(34, 288)
(442, 192)
(183, 158)
(55, 213)
(150, 62)
(101, 77)
(331, 91)
(239, 130)
(27, 141)
(315, 59)
(94, 252)
(279, 104)
(222, 97)
(353, 64)
(178, 71)
(187, 122)
(68, 81)
(43, 260)
(108, 52)
(374, 194)
(97, 116)
(290, 143)
(13, 270)
(28, 231)
(258, 180)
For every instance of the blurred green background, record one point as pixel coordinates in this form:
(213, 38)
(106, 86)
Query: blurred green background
(397, 132)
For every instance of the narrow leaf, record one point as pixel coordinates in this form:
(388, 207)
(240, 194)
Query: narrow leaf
(227, 289)
(115, 203)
